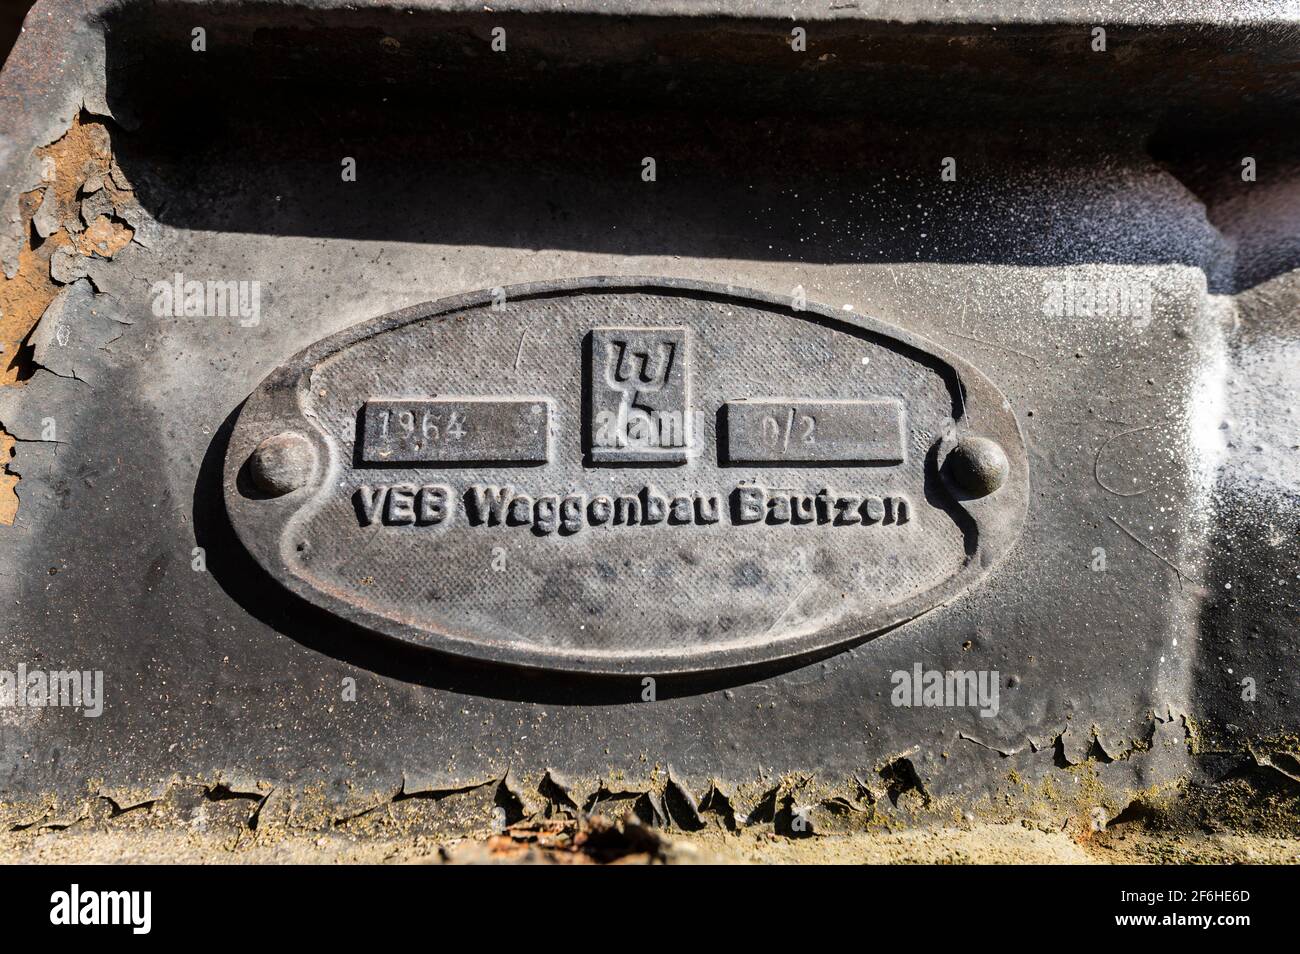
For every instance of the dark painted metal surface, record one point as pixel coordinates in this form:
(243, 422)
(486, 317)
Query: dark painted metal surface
(1156, 567)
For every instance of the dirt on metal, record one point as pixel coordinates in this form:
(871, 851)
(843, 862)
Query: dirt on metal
(607, 842)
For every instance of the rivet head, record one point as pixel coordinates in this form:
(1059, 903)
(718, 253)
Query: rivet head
(282, 464)
(977, 465)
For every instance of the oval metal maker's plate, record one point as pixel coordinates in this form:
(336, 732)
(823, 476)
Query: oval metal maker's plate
(616, 475)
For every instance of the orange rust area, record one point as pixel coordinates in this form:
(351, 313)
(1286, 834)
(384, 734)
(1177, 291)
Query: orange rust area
(593, 840)
(103, 237)
(82, 158)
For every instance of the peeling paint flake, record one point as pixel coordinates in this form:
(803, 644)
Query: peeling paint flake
(50, 314)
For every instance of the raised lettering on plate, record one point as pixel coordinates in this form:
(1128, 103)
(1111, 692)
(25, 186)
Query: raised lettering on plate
(640, 395)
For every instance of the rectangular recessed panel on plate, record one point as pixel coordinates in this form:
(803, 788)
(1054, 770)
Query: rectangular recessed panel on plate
(795, 431)
(456, 430)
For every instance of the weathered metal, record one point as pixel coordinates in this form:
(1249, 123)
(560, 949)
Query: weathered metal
(665, 555)
(282, 463)
(1102, 282)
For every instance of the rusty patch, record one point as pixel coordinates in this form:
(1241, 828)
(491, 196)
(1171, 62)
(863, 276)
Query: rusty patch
(8, 481)
(104, 237)
(591, 840)
(25, 297)
(78, 165)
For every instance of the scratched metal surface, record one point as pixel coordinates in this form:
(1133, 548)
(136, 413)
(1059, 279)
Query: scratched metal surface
(822, 180)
